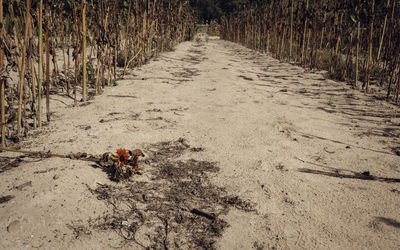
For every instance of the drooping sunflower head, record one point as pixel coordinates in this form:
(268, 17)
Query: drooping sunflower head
(122, 157)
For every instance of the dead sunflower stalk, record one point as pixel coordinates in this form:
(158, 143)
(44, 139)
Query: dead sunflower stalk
(122, 165)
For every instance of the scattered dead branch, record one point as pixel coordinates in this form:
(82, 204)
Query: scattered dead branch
(177, 207)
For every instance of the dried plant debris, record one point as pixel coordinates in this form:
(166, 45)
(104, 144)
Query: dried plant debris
(246, 78)
(7, 163)
(187, 73)
(115, 116)
(45, 171)
(396, 150)
(78, 229)
(196, 51)
(178, 207)
(22, 186)
(7, 198)
(198, 149)
(167, 150)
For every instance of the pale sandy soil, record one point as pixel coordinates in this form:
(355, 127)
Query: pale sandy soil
(295, 145)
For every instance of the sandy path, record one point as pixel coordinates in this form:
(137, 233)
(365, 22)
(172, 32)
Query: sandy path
(291, 142)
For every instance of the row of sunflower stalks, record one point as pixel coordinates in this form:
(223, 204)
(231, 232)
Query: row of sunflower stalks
(76, 48)
(354, 41)
(120, 165)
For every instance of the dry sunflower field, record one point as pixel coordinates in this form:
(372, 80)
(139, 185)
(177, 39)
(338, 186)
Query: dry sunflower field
(201, 124)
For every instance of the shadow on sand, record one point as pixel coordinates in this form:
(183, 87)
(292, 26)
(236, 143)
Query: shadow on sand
(355, 175)
(389, 222)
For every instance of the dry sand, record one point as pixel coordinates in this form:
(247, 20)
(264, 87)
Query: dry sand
(307, 163)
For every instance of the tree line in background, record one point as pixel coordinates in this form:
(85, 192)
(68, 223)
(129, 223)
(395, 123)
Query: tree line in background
(354, 40)
(209, 10)
(89, 37)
